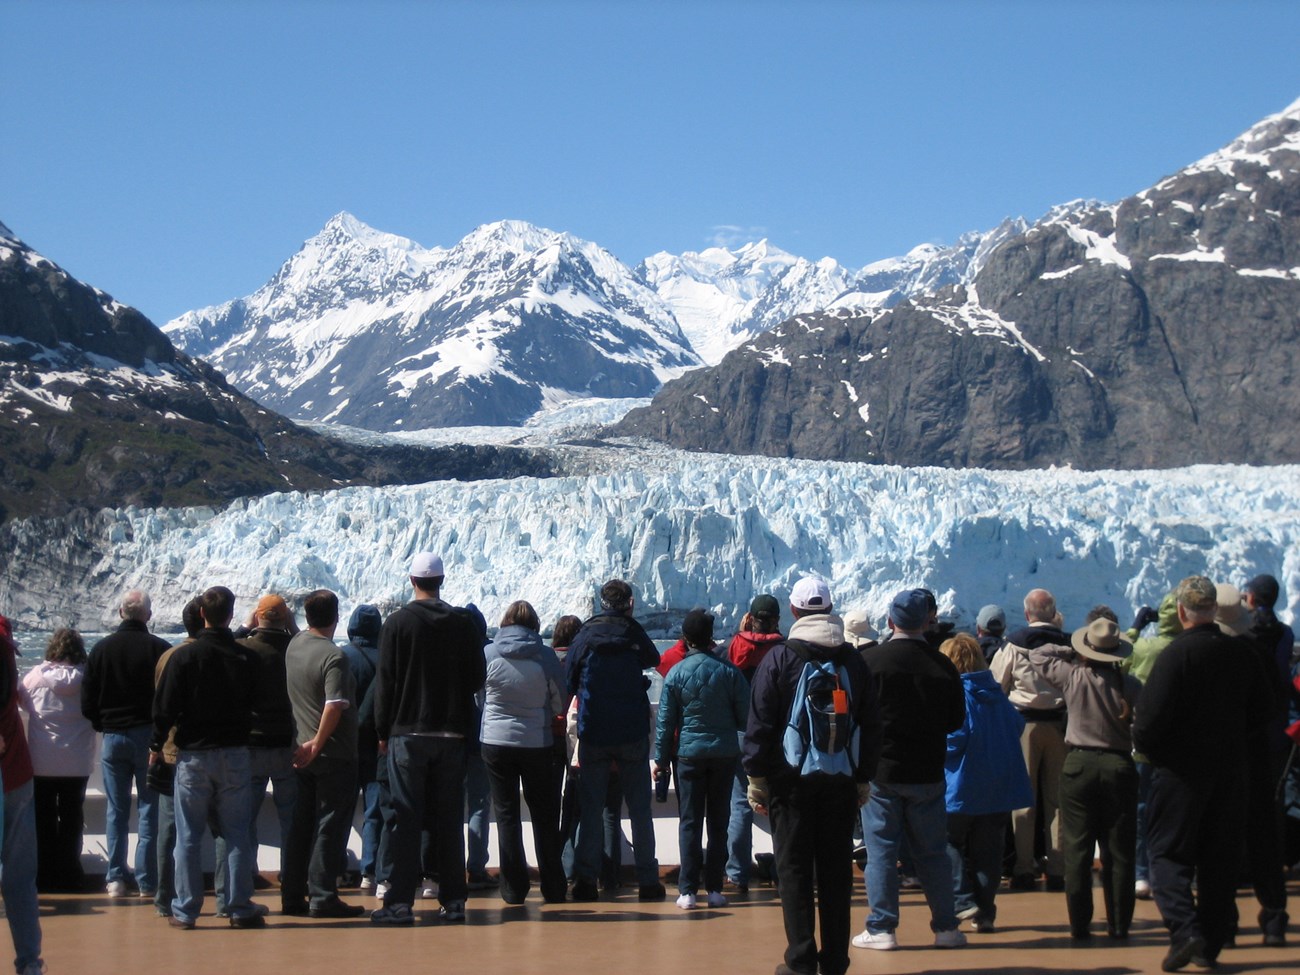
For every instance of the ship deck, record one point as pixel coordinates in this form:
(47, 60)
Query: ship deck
(90, 933)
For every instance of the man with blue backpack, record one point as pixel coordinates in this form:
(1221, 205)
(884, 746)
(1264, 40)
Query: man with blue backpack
(811, 746)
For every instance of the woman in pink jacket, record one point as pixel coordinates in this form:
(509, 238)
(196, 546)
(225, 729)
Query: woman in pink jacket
(62, 744)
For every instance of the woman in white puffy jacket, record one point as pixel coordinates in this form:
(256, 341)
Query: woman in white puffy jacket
(62, 744)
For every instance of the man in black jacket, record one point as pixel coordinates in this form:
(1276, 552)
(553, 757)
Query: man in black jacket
(117, 699)
(921, 701)
(812, 815)
(206, 692)
(430, 667)
(1198, 707)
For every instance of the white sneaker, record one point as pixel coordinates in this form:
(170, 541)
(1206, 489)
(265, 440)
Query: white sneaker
(879, 940)
(949, 939)
(367, 884)
(429, 889)
(716, 899)
(117, 888)
(1142, 890)
(382, 888)
(686, 901)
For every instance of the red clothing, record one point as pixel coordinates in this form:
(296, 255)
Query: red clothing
(16, 764)
(748, 649)
(673, 655)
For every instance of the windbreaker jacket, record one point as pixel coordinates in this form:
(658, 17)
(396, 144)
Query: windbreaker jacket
(61, 740)
(524, 690)
(703, 704)
(604, 671)
(984, 767)
(821, 637)
(1028, 690)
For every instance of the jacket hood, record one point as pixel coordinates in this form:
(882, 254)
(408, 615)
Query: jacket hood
(519, 643)
(364, 625)
(824, 630)
(1167, 622)
(982, 685)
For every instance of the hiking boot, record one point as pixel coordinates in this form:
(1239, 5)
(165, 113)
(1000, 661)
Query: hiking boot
(1183, 953)
(180, 923)
(452, 913)
(394, 914)
(949, 939)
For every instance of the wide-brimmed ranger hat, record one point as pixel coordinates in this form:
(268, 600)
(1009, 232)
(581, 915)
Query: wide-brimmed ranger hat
(1102, 640)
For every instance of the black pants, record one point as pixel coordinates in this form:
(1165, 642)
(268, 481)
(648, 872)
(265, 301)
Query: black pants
(1099, 807)
(58, 805)
(812, 836)
(1193, 833)
(1263, 840)
(315, 849)
(508, 769)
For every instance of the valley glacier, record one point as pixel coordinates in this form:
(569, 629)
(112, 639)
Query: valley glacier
(686, 530)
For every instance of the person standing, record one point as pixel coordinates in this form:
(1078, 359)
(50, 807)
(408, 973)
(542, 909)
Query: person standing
(206, 693)
(321, 691)
(62, 744)
(522, 695)
(921, 703)
(702, 708)
(760, 631)
(986, 779)
(362, 651)
(812, 815)
(604, 672)
(430, 667)
(1099, 783)
(117, 698)
(1197, 710)
(1043, 741)
(18, 849)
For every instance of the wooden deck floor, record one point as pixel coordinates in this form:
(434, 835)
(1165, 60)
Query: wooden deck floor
(90, 934)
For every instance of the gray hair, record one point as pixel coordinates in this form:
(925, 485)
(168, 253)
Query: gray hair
(136, 606)
(1040, 606)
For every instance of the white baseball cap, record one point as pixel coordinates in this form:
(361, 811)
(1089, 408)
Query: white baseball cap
(811, 593)
(426, 565)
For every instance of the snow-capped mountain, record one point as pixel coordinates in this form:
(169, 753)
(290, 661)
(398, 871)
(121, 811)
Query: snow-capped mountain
(722, 298)
(685, 530)
(1153, 332)
(369, 329)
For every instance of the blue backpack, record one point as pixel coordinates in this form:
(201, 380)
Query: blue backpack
(821, 736)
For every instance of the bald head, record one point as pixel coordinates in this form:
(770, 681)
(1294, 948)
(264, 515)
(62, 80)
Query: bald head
(1040, 606)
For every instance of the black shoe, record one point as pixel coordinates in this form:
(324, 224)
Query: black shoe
(1024, 881)
(1054, 883)
(337, 909)
(651, 892)
(1274, 939)
(1183, 953)
(452, 913)
(295, 908)
(584, 890)
(248, 921)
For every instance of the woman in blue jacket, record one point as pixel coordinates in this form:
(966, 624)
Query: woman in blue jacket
(986, 778)
(703, 704)
(522, 694)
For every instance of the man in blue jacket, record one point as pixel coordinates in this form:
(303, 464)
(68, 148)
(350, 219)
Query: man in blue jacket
(605, 671)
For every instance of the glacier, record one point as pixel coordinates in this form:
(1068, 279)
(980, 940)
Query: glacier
(686, 529)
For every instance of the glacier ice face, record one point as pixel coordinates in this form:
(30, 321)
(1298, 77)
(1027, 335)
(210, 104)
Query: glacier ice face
(688, 530)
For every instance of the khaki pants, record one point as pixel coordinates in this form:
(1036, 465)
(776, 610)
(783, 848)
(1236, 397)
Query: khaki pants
(1042, 744)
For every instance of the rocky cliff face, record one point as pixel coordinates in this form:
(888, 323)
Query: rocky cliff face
(1153, 333)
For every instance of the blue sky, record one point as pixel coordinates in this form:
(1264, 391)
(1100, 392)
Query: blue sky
(176, 153)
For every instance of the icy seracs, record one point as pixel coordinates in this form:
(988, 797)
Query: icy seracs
(709, 530)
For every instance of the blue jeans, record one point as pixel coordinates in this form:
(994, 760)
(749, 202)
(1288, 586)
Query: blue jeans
(740, 830)
(267, 766)
(125, 759)
(212, 783)
(18, 877)
(704, 799)
(633, 760)
(165, 893)
(918, 813)
(372, 826)
(478, 813)
(1142, 858)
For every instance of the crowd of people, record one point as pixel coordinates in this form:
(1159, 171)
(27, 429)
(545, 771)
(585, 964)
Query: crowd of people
(960, 757)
